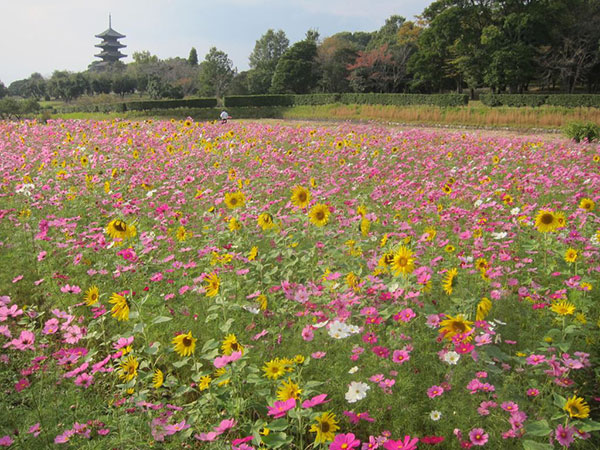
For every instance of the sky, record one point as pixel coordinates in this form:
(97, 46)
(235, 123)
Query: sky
(47, 35)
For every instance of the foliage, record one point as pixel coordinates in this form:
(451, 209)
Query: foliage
(579, 131)
(3, 90)
(193, 57)
(18, 109)
(259, 100)
(296, 69)
(517, 100)
(405, 99)
(216, 73)
(263, 60)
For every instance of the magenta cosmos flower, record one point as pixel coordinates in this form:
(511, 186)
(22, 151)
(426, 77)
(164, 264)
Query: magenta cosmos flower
(564, 435)
(478, 436)
(407, 443)
(344, 441)
(279, 409)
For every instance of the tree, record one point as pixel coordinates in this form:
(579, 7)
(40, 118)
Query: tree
(100, 83)
(3, 90)
(239, 84)
(193, 58)
(263, 60)
(216, 72)
(296, 71)
(144, 57)
(334, 55)
(67, 86)
(123, 84)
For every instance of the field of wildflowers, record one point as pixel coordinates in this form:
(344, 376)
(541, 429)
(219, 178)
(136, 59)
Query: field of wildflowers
(174, 284)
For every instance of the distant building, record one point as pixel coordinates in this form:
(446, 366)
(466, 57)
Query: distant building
(110, 46)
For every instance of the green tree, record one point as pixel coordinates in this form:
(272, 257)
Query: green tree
(193, 57)
(334, 55)
(216, 73)
(3, 90)
(263, 60)
(67, 86)
(123, 84)
(296, 71)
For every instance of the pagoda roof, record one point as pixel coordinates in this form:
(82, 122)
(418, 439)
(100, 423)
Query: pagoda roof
(110, 54)
(110, 33)
(114, 44)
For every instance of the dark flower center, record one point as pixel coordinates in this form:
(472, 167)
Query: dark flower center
(547, 219)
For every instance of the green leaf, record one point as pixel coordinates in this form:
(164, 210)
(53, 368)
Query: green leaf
(226, 326)
(276, 440)
(138, 328)
(588, 426)
(539, 428)
(211, 344)
(559, 401)
(152, 349)
(532, 445)
(133, 315)
(161, 319)
(181, 363)
(278, 425)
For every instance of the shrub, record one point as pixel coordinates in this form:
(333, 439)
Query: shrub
(316, 99)
(259, 100)
(168, 104)
(574, 100)
(578, 131)
(405, 99)
(516, 100)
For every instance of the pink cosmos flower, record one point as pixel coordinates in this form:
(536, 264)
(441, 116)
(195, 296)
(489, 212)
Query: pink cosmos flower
(564, 435)
(534, 360)
(307, 333)
(225, 425)
(6, 441)
(478, 436)
(23, 383)
(316, 400)
(407, 443)
(172, 429)
(84, 380)
(354, 418)
(67, 289)
(400, 356)
(435, 391)
(405, 315)
(318, 355)
(344, 441)
(280, 409)
(123, 342)
(207, 437)
(509, 406)
(35, 429)
(533, 392)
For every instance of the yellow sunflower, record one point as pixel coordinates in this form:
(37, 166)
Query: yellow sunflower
(430, 233)
(204, 382)
(158, 379)
(129, 369)
(577, 407)
(235, 200)
(571, 255)
(262, 301)
(91, 296)
(403, 262)
(265, 221)
(319, 214)
(182, 234)
(231, 344)
(300, 197)
(288, 389)
(253, 253)
(120, 310)
(365, 226)
(481, 264)
(325, 427)
(212, 284)
(234, 224)
(274, 369)
(452, 326)
(563, 308)
(588, 204)
(118, 229)
(450, 280)
(483, 308)
(185, 344)
(546, 221)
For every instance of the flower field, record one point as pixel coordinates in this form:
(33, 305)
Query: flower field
(191, 285)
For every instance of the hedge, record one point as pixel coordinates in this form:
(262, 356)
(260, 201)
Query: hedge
(169, 104)
(405, 99)
(369, 99)
(533, 100)
(574, 100)
(260, 100)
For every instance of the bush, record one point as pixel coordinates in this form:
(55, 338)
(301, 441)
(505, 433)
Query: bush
(515, 100)
(405, 99)
(169, 104)
(11, 108)
(574, 100)
(259, 100)
(579, 131)
(316, 99)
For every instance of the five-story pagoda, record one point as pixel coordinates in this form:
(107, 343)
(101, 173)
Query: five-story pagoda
(110, 45)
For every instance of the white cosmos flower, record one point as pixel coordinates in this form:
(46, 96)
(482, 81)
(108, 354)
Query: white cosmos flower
(451, 358)
(357, 390)
(435, 415)
(353, 369)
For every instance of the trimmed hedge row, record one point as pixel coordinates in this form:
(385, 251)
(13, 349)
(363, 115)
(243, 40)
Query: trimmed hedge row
(533, 100)
(361, 99)
(147, 105)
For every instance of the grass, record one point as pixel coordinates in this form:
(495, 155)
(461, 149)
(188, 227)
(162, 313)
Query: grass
(474, 115)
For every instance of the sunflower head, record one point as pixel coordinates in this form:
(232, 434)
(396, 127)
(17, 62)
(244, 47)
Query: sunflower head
(129, 368)
(587, 204)
(184, 344)
(212, 284)
(319, 214)
(231, 344)
(404, 262)
(300, 196)
(577, 407)
(265, 221)
(546, 221)
(571, 255)
(449, 281)
(235, 199)
(274, 369)
(287, 390)
(452, 326)
(326, 425)
(563, 308)
(91, 296)
(158, 379)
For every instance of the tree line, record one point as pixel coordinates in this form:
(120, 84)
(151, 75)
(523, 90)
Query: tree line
(454, 45)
